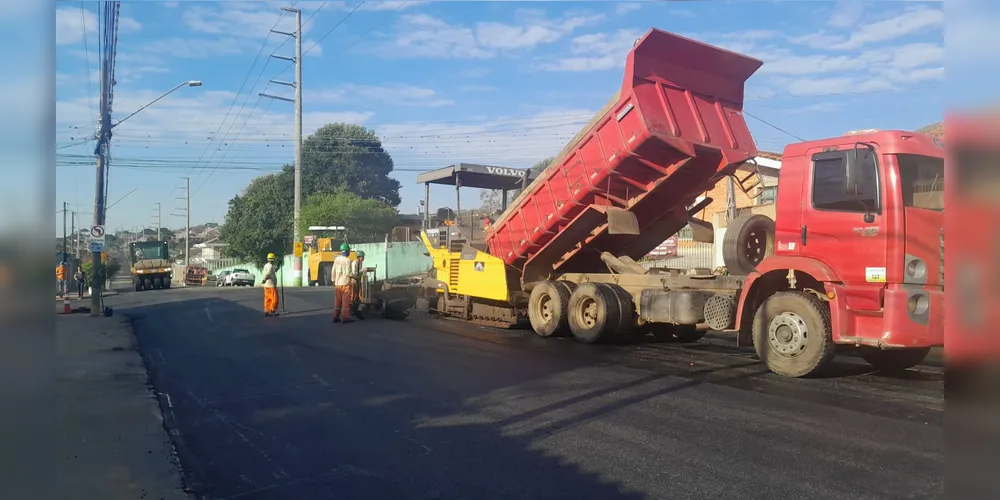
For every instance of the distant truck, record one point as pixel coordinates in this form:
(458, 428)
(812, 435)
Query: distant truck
(853, 259)
(150, 265)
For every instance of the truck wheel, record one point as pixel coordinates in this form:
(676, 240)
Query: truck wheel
(138, 285)
(547, 308)
(626, 326)
(791, 334)
(894, 360)
(157, 283)
(166, 284)
(594, 313)
(749, 238)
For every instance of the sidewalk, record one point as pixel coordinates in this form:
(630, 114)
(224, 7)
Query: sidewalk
(112, 443)
(86, 296)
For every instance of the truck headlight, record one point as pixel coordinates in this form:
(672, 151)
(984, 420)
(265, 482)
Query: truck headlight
(916, 268)
(918, 304)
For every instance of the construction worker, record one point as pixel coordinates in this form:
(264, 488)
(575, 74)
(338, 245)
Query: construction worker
(342, 276)
(61, 278)
(270, 287)
(359, 268)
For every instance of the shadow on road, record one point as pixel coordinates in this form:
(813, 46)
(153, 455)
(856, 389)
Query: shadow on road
(273, 408)
(295, 407)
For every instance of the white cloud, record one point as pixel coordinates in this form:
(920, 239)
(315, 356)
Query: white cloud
(171, 5)
(911, 21)
(398, 94)
(422, 35)
(193, 48)
(846, 14)
(249, 19)
(70, 24)
(477, 88)
(627, 7)
(598, 51)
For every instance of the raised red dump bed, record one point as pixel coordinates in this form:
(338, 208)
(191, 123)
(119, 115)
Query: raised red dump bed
(674, 131)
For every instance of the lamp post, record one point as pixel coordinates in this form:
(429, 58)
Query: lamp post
(101, 151)
(190, 83)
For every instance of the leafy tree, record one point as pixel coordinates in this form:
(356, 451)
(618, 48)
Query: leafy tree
(363, 219)
(337, 158)
(492, 199)
(347, 157)
(260, 220)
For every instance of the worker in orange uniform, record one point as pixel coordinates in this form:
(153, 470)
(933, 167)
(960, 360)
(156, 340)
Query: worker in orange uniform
(61, 278)
(342, 276)
(270, 287)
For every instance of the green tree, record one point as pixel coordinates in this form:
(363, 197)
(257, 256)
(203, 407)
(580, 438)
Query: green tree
(364, 219)
(341, 156)
(260, 220)
(338, 158)
(493, 200)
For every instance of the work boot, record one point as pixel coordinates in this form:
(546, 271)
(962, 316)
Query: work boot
(348, 320)
(336, 320)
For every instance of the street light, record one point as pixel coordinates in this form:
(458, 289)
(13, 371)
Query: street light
(190, 83)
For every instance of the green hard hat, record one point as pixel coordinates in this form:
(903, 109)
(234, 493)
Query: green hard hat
(344, 247)
(361, 253)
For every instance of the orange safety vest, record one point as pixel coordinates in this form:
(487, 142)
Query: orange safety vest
(60, 272)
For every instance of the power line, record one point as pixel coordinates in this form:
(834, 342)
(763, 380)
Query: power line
(775, 127)
(245, 79)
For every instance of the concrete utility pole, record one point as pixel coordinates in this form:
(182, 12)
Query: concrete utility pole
(187, 223)
(158, 223)
(297, 84)
(64, 233)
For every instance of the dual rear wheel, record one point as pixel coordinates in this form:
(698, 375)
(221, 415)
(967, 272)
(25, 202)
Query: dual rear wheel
(591, 312)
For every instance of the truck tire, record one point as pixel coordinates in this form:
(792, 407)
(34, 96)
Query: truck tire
(547, 308)
(791, 334)
(626, 326)
(594, 313)
(894, 360)
(166, 283)
(749, 238)
(137, 284)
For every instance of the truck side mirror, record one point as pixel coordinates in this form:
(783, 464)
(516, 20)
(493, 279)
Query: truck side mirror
(852, 171)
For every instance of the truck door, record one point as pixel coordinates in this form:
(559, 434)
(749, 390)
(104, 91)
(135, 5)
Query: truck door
(847, 231)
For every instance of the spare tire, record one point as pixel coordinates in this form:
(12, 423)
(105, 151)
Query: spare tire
(749, 238)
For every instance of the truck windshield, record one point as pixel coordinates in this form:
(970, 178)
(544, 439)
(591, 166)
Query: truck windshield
(922, 181)
(149, 250)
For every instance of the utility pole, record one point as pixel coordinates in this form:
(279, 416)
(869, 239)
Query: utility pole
(297, 84)
(65, 256)
(158, 223)
(187, 223)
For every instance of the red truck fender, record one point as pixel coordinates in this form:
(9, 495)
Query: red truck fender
(772, 275)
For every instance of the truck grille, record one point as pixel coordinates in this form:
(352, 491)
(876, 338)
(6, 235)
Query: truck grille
(941, 267)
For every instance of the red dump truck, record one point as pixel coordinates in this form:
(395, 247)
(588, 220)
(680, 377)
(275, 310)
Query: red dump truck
(854, 256)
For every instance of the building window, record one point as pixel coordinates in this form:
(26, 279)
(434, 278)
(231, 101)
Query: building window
(828, 183)
(768, 195)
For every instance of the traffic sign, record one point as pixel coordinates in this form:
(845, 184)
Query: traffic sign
(96, 238)
(298, 249)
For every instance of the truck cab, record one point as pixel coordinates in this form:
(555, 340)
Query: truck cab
(861, 219)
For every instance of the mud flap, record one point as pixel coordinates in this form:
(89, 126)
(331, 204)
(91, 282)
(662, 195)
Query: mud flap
(702, 231)
(621, 221)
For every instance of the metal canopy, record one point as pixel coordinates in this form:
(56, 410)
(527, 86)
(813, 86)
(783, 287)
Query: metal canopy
(477, 176)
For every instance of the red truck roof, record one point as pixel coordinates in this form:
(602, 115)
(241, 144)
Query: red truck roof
(675, 128)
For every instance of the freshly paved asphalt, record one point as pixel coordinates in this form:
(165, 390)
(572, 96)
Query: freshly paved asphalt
(296, 407)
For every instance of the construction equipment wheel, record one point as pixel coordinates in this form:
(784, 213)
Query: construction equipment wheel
(894, 360)
(166, 284)
(749, 238)
(138, 285)
(547, 308)
(626, 305)
(791, 334)
(595, 313)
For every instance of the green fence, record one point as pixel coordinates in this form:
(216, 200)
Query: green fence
(400, 259)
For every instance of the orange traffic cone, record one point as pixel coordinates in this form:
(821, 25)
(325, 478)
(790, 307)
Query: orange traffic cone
(66, 309)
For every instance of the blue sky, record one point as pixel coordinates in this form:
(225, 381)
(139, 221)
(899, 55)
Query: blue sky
(503, 83)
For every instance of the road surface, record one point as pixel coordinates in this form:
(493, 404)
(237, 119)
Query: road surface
(296, 407)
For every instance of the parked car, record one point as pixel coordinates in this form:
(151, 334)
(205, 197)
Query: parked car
(220, 278)
(240, 277)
